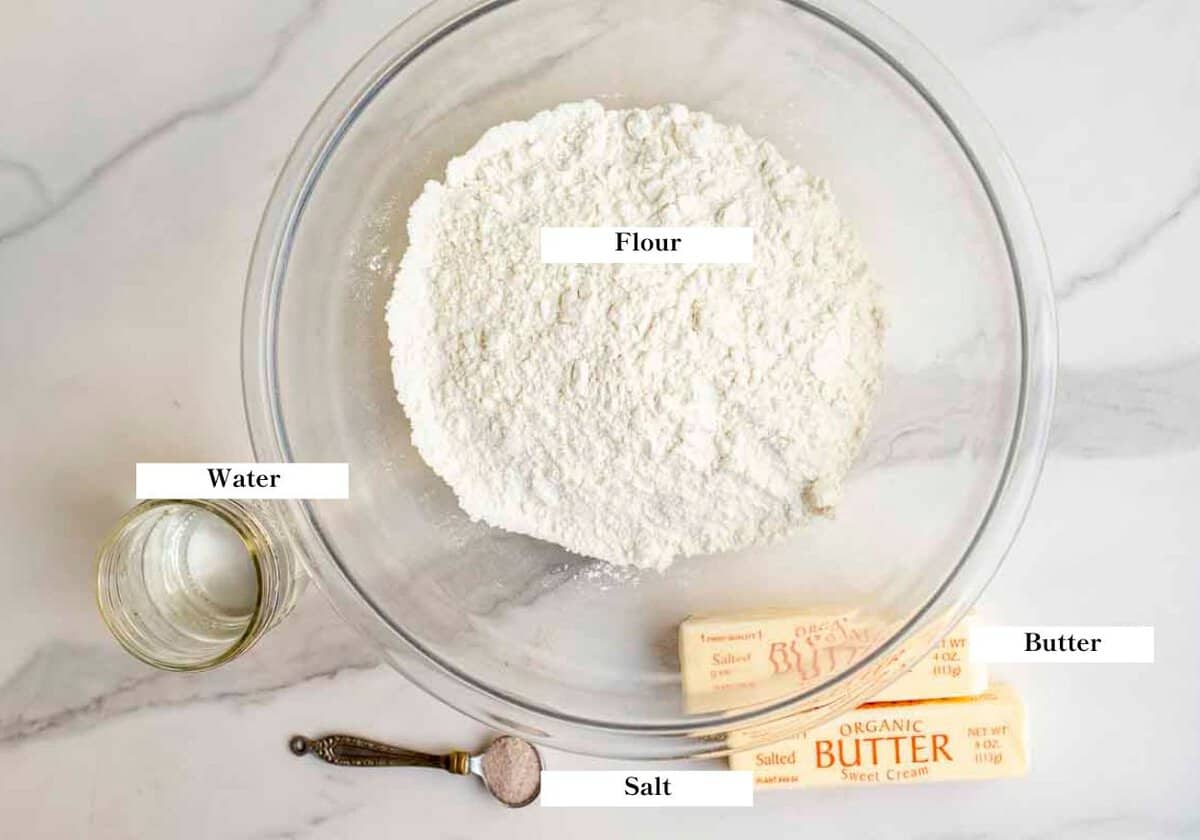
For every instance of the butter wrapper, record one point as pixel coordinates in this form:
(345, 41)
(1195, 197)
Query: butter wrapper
(946, 671)
(732, 662)
(900, 743)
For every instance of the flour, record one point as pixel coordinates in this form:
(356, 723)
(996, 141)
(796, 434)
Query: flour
(634, 413)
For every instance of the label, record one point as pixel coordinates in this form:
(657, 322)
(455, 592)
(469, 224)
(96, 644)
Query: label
(243, 481)
(732, 661)
(1062, 644)
(947, 671)
(647, 245)
(900, 743)
(647, 789)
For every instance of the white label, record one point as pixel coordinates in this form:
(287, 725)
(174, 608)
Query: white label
(647, 245)
(243, 481)
(647, 789)
(1062, 644)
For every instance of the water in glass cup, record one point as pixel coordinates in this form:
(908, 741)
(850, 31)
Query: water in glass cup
(190, 584)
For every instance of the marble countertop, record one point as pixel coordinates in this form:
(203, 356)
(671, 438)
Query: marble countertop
(140, 144)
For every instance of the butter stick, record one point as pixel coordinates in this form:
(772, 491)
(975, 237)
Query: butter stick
(730, 662)
(899, 743)
(946, 671)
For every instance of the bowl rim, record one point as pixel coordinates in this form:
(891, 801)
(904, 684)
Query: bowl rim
(700, 735)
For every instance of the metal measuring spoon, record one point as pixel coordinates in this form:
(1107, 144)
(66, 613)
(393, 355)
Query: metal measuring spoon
(511, 769)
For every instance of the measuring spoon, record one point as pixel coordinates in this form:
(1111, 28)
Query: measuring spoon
(510, 767)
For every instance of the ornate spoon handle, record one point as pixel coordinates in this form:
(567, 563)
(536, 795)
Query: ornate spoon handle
(352, 751)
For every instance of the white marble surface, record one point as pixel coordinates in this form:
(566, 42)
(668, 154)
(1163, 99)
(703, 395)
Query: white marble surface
(139, 145)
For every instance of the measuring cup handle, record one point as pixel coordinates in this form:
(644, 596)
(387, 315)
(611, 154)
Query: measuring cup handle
(352, 751)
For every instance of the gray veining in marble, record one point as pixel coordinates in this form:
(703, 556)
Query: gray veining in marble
(50, 204)
(1139, 242)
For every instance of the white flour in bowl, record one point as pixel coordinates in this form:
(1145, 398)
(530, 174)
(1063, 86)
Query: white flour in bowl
(634, 413)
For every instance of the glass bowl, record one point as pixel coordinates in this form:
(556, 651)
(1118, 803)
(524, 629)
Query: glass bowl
(568, 651)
